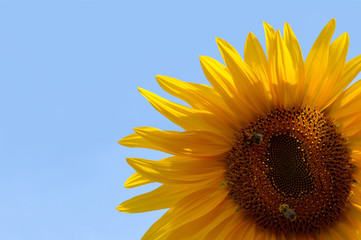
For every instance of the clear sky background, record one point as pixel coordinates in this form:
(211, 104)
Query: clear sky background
(69, 72)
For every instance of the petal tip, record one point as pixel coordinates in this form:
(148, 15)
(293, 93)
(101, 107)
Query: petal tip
(120, 208)
(331, 23)
(141, 89)
(159, 77)
(122, 140)
(202, 58)
(141, 129)
(131, 161)
(220, 41)
(266, 25)
(251, 35)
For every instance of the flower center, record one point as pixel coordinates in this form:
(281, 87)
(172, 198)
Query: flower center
(290, 171)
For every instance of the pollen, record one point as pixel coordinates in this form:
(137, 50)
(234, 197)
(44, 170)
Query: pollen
(290, 171)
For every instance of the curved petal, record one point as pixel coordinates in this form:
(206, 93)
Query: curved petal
(270, 34)
(239, 231)
(220, 231)
(356, 160)
(316, 64)
(251, 233)
(136, 180)
(189, 143)
(136, 141)
(335, 84)
(160, 198)
(325, 234)
(337, 56)
(351, 70)
(283, 76)
(224, 85)
(199, 227)
(346, 112)
(255, 57)
(294, 48)
(200, 96)
(346, 107)
(355, 196)
(187, 118)
(353, 212)
(179, 170)
(247, 83)
(338, 235)
(346, 229)
(354, 223)
(193, 206)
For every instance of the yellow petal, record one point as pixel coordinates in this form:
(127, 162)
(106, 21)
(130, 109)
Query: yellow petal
(261, 235)
(294, 49)
(352, 132)
(351, 98)
(316, 64)
(199, 227)
(337, 60)
(344, 227)
(136, 180)
(346, 112)
(224, 228)
(185, 117)
(255, 57)
(188, 209)
(325, 234)
(160, 198)
(251, 233)
(346, 106)
(224, 85)
(336, 63)
(340, 231)
(320, 50)
(270, 34)
(355, 197)
(283, 76)
(200, 96)
(192, 143)
(351, 70)
(240, 230)
(354, 212)
(354, 222)
(136, 141)
(178, 170)
(356, 174)
(247, 83)
(284, 63)
(356, 159)
(188, 118)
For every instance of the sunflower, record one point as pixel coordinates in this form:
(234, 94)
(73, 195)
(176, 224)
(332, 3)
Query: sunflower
(272, 150)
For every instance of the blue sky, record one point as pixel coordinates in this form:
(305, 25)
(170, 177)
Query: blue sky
(69, 72)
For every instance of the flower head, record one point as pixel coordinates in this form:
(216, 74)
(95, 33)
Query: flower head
(271, 151)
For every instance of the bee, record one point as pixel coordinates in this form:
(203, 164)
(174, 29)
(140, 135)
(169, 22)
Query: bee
(288, 212)
(254, 137)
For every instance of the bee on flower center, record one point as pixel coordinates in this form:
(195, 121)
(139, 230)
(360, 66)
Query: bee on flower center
(254, 137)
(287, 212)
